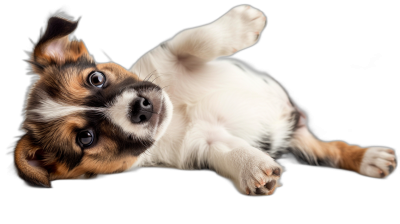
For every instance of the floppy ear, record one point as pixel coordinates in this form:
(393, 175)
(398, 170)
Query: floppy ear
(29, 167)
(54, 47)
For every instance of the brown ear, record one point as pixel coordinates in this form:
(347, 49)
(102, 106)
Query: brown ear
(54, 47)
(29, 171)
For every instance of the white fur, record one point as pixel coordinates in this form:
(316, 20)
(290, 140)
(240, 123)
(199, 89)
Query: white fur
(162, 128)
(376, 162)
(220, 111)
(50, 109)
(224, 112)
(118, 114)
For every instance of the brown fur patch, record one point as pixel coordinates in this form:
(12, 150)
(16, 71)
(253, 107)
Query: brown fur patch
(115, 72)
(75, 87)
(337, 153)
(350, 155)
(101, 159)
(24, 151)
(52, 138)
(54, 46)
(93, 166)
(71, 52)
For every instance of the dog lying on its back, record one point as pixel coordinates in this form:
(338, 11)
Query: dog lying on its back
(84, 118)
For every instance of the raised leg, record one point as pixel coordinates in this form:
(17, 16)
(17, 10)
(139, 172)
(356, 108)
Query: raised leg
(237, 29)
(253, 171)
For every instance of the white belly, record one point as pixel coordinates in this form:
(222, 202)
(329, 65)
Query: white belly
(248, 105)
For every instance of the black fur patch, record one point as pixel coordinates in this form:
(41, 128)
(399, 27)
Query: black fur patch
(265, 143)
(60, 150)
(80, 64)
(125, 145)
(59, 81)
(295, 118)
(56, 28)
(101, 96)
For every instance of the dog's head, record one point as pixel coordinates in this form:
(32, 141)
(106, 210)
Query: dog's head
(83, 117)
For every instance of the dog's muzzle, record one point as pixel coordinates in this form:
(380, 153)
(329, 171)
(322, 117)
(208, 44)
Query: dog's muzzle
(141, 110)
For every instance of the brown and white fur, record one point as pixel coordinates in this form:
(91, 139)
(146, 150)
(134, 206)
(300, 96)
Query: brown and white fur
(207, 112)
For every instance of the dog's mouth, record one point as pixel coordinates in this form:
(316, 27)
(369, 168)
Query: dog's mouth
(156, 109)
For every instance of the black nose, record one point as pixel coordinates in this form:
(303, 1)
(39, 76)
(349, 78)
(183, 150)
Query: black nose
(141, 111)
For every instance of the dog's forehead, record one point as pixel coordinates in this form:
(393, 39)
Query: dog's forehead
(69, 83)
(65, 83)
(66, 88)
(115, 72)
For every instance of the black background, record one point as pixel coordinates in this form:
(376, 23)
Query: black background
(338, 61)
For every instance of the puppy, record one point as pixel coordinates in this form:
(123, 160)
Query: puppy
(200, 111)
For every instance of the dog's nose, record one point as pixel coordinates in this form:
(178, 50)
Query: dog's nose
(141, 111)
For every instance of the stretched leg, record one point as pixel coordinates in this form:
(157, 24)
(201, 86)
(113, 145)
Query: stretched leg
(372, 161)
(253, 171)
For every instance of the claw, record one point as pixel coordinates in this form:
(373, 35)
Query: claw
(391, 168)
(270, 185)
(277, 172)
(390, 152)
(381, 173)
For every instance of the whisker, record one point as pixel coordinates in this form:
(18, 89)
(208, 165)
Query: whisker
(165, 87)
(140, 69)
(109, 58)
(147, 146)
(148, 153)
(156, 78)
(151, 74)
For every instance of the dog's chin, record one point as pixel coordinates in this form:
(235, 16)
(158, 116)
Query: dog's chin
(164, 116)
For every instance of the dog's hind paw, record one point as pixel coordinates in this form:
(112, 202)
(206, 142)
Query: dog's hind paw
(378, 162)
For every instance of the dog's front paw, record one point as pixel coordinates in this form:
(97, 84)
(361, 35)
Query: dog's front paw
(258, 174)
(378, 162)
(242, 26)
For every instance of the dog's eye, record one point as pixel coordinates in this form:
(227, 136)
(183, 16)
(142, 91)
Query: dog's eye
(85, 138)
(97, 79)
